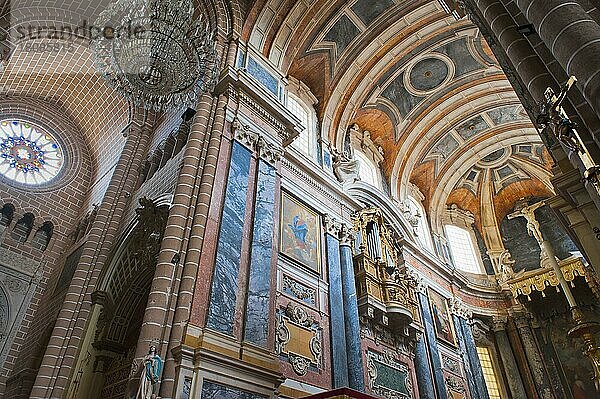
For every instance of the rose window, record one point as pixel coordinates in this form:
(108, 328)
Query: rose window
(28, 154)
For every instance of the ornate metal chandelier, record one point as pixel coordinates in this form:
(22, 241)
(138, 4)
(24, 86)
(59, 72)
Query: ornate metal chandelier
(154, 53)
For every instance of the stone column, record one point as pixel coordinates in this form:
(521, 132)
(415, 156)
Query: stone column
(68, 333)
(515, 383)
(533, 73)
(434, 354)
(353, 348)
(423, 370)
(462, 345)
(572, 37)
(534, 357)
(339, 355)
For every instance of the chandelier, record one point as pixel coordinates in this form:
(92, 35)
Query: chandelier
(154, 52)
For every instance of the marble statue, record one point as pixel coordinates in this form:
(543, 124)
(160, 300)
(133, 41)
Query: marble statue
(150, 374)
(345, 166)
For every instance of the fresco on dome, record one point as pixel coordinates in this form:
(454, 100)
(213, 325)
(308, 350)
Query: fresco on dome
(300, 233)
(444, 330)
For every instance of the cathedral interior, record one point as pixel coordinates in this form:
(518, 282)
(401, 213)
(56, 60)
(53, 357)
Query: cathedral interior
(252, 199)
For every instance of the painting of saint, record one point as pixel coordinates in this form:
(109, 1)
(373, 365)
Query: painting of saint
(444, 328)
(300, 233)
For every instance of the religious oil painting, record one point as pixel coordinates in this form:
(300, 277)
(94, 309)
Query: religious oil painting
(444, 329)
(300, 233)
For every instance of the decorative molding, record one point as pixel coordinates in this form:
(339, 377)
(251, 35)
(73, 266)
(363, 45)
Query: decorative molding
(299, 290)
(346, 235)
(541, 279)
(499, 323)
(455, 384)
(19, 263)
(460, 309)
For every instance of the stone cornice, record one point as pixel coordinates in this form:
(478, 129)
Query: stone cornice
(243, 89)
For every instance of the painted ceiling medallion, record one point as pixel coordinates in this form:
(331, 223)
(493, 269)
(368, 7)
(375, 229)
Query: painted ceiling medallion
(429, 74)
(28, 155)
(156, 52)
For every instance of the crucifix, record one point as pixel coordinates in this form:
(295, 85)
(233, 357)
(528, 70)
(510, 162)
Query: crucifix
(533, 228)
(553, 115)
(583, 329)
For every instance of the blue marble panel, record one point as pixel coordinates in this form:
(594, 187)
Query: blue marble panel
(445, 146)
(460, 54)
(423, 370)
(472, 127)
(505, 114)
(402, 99)
(355, 364)
(187, 388)
(261, 74)
(471, 350)
(428, 74)
(369, 10)
(224, 289)
(339, 358)
(434, 355)
(213, 390)
(259, 282)
(462, 345)
(342, 33)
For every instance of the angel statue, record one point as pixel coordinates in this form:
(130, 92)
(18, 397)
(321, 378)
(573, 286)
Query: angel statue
(151, 367)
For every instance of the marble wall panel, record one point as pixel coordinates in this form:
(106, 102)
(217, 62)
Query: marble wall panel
(225, 278)
(259, 283)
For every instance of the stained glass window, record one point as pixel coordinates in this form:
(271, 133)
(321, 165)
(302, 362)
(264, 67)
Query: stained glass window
(28, 154)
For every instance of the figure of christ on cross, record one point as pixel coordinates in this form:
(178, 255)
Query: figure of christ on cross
(533, 226)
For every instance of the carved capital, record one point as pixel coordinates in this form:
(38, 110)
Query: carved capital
(460, 309)
(332, 226)
(499, 323)
(268, 151)
(346, 234)
(243, 134)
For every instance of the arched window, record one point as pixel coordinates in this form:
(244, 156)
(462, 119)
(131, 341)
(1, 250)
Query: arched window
(422, 229)
(367, 171)
(462, 249)
(23, 228)
(307, 140)
(42, 236)
(6, 215)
